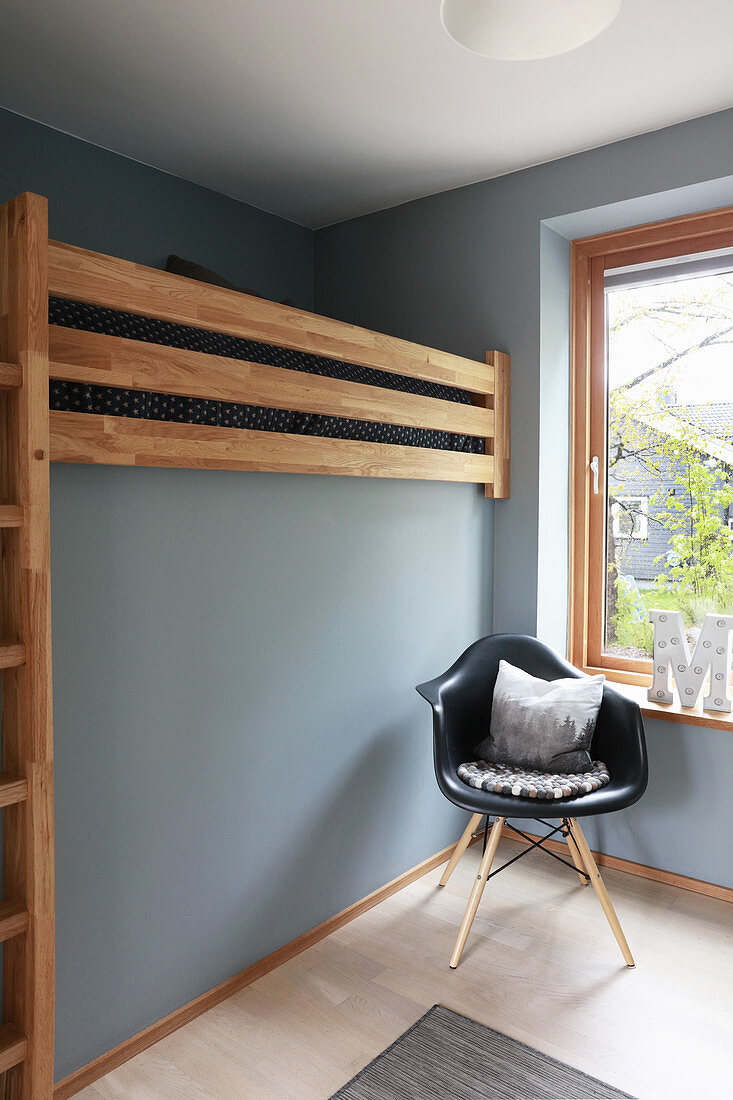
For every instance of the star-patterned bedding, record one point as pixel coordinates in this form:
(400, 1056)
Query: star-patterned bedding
(80, 397)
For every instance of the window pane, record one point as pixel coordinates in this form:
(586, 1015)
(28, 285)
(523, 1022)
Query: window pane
(670, 460)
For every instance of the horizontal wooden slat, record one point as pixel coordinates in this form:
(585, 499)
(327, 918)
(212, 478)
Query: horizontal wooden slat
(11, 515)
(12, 654)
(13, 788)
(79, 356)
(13, 1047)
(111, 440)
(14, 919)
(119, 284)
(11, 376)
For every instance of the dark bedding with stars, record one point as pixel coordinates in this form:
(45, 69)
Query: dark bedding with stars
(78, 397)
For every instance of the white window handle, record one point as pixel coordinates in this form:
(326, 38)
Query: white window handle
(594, 468)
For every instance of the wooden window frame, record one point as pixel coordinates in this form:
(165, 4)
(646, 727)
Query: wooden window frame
(591, 257)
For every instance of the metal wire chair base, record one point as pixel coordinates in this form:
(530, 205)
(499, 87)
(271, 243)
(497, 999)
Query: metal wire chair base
(536, 844)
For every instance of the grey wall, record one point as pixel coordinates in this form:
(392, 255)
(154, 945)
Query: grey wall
(484, 267)
(234, 657)
(108, 203)
(554, 439)
(234, 662)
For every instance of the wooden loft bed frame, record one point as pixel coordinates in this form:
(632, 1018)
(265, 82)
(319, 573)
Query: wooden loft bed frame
(79, 356)
(31, 353)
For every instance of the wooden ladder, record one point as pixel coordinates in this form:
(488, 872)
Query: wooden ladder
(26, 781)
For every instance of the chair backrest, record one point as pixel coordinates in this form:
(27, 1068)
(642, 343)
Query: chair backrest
(463, 697)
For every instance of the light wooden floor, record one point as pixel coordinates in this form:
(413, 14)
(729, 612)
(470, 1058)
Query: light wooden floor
(541, 965)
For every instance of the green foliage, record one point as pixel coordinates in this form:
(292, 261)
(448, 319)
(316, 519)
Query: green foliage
(689, 489)
(628, 631)
(702, 570)
(689, 503)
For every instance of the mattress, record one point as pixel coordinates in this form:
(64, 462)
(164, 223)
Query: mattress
(79, 397)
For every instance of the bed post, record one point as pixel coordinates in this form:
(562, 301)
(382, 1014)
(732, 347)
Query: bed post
(26, 783)
(499, 446)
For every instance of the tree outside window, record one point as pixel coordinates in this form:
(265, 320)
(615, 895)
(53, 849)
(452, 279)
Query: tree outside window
(670, 460)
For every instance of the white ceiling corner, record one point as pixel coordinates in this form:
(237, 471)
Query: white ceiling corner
(324, 110)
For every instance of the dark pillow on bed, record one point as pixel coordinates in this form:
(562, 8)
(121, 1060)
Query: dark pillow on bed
(178, 266)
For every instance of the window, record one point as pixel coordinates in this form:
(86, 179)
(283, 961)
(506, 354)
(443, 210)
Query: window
(652, 484)
(630, 517)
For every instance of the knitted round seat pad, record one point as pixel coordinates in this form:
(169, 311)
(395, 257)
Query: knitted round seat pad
(508, 780)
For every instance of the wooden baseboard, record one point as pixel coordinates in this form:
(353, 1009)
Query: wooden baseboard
(78, 1080)
(670, 878)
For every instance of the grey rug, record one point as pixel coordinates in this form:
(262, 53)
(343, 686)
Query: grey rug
(445, 1056)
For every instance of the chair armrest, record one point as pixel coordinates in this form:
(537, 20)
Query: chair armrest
(430, 690)
(444, 718)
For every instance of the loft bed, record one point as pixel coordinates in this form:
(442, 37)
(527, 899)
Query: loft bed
(104, 361)
(414, 412)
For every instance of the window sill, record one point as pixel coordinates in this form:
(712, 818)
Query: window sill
(673, 712)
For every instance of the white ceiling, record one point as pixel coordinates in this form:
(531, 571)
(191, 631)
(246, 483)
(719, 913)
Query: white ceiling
(319, 110)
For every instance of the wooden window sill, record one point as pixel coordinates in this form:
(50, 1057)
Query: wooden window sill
(673, 712)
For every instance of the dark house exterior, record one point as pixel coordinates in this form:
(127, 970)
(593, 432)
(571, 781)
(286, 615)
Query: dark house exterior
(641, 543)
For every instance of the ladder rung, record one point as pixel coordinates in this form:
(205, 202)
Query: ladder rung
(13, 788)
(11, 376)
(13, 1047)
(12, 654)
(13, 919)
(11, 515)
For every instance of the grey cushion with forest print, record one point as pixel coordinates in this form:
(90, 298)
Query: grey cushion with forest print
(547, 725)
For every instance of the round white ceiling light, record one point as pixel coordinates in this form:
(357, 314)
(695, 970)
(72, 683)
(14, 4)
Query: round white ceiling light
(526, 30)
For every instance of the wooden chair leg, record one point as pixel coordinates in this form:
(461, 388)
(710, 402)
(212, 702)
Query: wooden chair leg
(576, 858)
(600, 889)
(460, 848)
(477, 890)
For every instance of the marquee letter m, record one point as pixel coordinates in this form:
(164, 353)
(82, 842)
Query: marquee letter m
(671, 654)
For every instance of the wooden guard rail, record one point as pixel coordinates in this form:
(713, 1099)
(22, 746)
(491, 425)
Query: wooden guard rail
(119, 284)
(86, 357)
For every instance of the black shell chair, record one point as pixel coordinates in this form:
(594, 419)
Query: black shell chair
(461, 700)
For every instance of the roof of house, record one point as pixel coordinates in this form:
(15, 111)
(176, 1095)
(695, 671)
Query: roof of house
(714, 418)
(712, 425)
